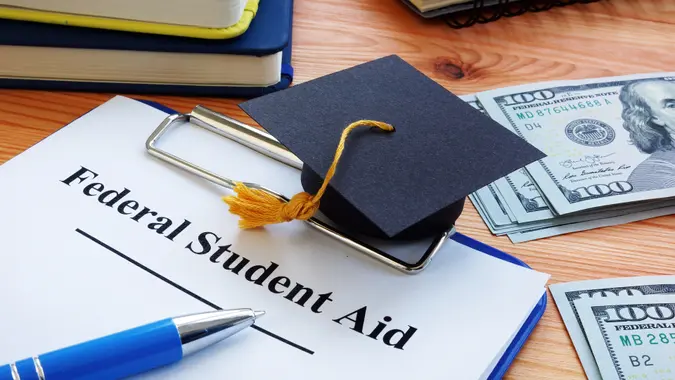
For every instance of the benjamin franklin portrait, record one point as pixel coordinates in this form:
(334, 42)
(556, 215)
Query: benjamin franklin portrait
(649, 117)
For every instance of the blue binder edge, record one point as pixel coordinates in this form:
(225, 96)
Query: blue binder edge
(530, 323)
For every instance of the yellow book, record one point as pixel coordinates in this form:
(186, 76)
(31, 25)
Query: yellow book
(232, 31)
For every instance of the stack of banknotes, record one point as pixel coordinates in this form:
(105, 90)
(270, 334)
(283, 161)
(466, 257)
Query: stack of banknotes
(610, 146)
(621, 328)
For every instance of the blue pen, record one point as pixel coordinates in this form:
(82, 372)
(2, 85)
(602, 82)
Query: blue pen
(133, 351)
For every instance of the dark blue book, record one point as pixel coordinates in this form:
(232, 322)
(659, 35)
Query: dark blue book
(57, 57)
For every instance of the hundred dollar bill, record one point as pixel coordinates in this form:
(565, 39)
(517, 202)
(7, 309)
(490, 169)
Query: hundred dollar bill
(523, 198)
(608, 141)
(491, 207)
(522, 232)
(522, 235)
(518, 194)
(513, 206)
(566, 294)
(472, 100)
(631, 337)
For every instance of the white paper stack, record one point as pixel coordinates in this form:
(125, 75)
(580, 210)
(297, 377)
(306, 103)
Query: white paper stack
(99, 237)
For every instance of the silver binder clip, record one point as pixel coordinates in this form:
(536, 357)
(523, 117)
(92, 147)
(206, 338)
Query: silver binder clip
(267, 145)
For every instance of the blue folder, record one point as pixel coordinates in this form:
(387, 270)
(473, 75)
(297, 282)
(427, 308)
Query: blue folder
(269, 32)
(529, 325)
(531, 322)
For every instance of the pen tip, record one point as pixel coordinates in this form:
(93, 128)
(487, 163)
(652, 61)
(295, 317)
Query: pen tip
(258, 313)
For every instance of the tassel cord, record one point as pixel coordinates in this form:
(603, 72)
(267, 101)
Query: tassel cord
(257, 208)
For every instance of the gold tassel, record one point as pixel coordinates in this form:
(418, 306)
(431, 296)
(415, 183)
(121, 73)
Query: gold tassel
(257, 208)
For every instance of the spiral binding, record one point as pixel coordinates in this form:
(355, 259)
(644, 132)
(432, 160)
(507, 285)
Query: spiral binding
(481, 14)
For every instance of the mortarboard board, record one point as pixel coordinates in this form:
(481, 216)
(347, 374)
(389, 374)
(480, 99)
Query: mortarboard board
(406, 184)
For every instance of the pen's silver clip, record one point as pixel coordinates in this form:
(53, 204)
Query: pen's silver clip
(264, 143)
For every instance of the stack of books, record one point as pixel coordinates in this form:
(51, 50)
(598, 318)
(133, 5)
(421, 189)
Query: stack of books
(230, 48)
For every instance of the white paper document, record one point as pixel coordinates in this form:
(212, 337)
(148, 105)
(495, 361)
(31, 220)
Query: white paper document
(98, 236)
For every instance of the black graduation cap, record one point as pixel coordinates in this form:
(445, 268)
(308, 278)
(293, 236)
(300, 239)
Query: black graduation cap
(406, 184)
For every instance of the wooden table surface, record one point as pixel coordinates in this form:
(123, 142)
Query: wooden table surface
(612, 37)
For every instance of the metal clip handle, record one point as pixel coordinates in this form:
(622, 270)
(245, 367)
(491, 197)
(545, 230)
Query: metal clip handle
(266, 144)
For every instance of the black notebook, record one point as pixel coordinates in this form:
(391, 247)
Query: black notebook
(470, 12)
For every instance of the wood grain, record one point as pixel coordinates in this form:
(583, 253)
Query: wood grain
(607, 38)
